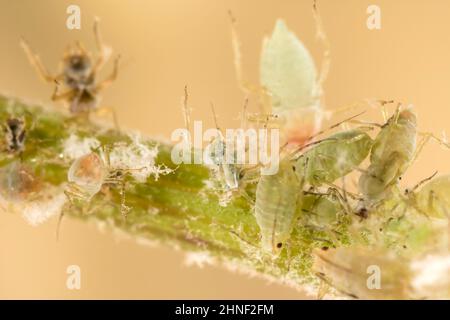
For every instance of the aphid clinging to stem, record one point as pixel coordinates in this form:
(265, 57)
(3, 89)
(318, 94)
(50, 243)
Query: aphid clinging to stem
(392, 152)
(277, 197)
(78, 74)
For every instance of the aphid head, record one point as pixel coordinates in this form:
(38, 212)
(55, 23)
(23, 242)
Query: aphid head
(77, 63)
(409, 115)
(89, 172)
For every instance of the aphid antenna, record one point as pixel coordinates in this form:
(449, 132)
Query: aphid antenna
(426, 137)
(421, 182)
(322, 36)
(295, 151)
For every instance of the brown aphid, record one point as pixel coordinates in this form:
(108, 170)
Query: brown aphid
(18, 182)
(15, 134)
(78, 73)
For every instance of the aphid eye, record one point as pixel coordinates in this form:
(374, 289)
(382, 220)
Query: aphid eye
(293, 168)
(400, 178)
(406, 191)
(324, 248)
(279, 245)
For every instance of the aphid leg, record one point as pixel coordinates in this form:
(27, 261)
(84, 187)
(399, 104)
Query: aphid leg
(421, 182)
(104, 52)
(427, 137)
(112, 77)
(186, 110)
(245, 195)
(109, 110)
(60, 96)
(36, 62)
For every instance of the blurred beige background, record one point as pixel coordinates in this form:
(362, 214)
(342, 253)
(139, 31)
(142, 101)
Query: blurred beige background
(166, 44)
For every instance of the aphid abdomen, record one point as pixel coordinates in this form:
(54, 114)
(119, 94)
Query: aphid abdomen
(399, 136)
(335, 157)
(83, 102)
(88, 173)
(276, 206)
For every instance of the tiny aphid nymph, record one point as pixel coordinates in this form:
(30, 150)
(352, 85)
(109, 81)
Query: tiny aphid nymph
(77, 74)
(15, 134)
(277, 197)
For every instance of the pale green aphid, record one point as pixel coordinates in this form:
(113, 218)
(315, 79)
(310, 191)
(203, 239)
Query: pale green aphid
(217, 154)
(433, 199)
(277, 197)
(287, 71)
(392, 152)
(355, 271)
(334, 157)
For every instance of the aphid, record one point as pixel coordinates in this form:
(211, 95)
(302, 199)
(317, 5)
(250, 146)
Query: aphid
(290, 86)
(15, 134)
(363, 273)
(391, 154)
(18, 182)
(277, 197)
(89, 173)
(334, 157)
(78, 74)
(218, 153)
(433, 199)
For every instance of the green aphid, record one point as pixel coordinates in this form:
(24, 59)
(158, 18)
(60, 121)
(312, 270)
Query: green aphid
(277, 197)
(433, 199)
(391, 154)
(334, 157)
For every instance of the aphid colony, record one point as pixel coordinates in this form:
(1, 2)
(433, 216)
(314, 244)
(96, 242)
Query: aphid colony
(279, 197)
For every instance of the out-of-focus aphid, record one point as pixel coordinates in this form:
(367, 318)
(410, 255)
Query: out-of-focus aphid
(334, 157)
(277, 197)
(18, 182)
(290, 86)
(15, 134)
(433, 199)
(78, 74)
(363, 273)
(391, 154)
